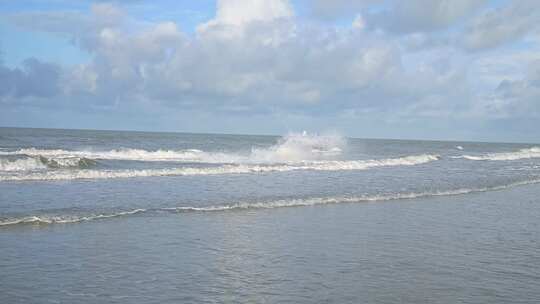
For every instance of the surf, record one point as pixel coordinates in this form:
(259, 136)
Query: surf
(222, 169)
(45, 219)
(39, 162)
(293, 147)
(533, 152)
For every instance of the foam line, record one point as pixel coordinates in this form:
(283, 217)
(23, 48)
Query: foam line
(533, 152)
(34, 163)
(22, 164)
(223, 169)
(300, 202)
(290, 148)
(65, 219)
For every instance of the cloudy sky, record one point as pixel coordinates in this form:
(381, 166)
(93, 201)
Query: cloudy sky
(427, 69)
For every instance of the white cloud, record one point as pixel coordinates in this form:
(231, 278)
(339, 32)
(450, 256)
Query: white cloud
(496, 27)
(240, 12)
(359, 22)
(275, 63)
(333, 9)
(233, 15)
(422, 16)
(34, 79)
(517, 98)
(256, 58)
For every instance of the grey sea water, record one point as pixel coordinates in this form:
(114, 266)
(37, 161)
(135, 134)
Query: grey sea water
(116, 217)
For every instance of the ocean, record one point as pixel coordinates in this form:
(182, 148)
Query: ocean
(139, 217)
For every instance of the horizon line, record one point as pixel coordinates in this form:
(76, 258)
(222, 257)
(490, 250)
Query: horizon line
(270, 135)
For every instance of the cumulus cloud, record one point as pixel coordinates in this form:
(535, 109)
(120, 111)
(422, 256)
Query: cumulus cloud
(33, 79)
(518, 98)
(255, 60)
(234, 17)
(496, 27)
(79, 26)
(393, 63)
(332, 9)
(160, 63)
(422, 16)
(400, 16)
(240, 12)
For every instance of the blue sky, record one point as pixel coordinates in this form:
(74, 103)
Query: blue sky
(440, 69)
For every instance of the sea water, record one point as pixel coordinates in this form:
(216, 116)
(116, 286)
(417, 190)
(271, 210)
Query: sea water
(108, 216)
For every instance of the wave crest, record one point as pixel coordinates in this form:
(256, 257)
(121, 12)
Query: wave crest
(117, 154)
(282, 203)
(533, 152)
(21, 164)
(224, 169)
(300, 147)
(34, 163)
(293, 147)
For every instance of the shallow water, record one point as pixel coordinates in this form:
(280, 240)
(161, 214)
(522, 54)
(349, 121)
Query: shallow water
(327, 219)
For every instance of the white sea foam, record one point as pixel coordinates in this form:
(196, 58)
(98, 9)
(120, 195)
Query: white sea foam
(68, 162)
(66, 219)
(300, 147)
(33, 163)
(283, 203)
(119, 154)
(290, 148)
(22, 164)
(222, 169)
(533, 152)
(346, 199)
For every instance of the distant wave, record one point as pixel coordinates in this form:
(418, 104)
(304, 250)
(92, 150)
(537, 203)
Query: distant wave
(32, 163)
(299, 202)
(533, 152)
(223, 169)
(119, 154)
(290, 148)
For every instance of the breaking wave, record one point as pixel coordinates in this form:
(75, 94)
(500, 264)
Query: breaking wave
(299, 202)
(291, 152)
(223, 169)
(533, 152)
(120, 154)
(21, 164)
(296, 147)
(33, 163)
(290, 148)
